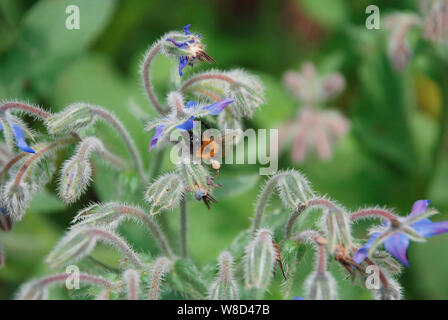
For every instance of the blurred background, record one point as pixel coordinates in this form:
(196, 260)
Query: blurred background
(394, 154)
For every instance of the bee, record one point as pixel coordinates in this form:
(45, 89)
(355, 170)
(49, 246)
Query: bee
(201, 194)
(342, 256)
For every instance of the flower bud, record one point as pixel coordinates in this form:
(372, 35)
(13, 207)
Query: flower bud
(321, 286)
(79, 242)
(74, 180)
(247, 93)
(165, 193)
(17, 198)
(224, 287)
(260, 260)
(73, 118)
(75, 245)
(31, 291)
(195, 177)
(336, 222)
(294, 189)
(99, 215)
(390, 289)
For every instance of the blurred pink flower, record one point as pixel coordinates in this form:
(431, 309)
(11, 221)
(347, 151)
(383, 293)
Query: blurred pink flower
(435, 14)
(313, 129)
(311, 89)
(399, 51)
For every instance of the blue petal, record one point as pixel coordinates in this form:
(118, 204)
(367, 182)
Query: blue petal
(217, 107)
(177, 44)
(19, 135)
(183, 62)
(156, 137)
(397, 245)
(187, 125)
(1, 126)
(419, 207)
(3, 211)
(298, 298)
(191, 104)
(187, 32)
(362, 252)
(426, 228)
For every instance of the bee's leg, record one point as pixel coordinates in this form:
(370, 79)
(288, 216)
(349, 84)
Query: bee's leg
(209, 197)
(206, 202)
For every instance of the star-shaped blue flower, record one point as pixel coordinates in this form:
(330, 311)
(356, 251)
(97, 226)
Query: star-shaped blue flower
(19, 136)
(396, 239)
(213, 109)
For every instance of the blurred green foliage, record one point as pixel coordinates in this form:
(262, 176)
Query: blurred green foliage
(394, 155)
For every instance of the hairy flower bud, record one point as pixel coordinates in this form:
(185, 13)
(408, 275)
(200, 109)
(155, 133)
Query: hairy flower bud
(165, 193)
(73, 118)
(80, 242)
(246, 91)
(17, 198)
(100, 215)
(389, 289)
(294, 189)
(321, 286)
(224, 287)
(30, 291)
(76, 172)
(75, 178)
(195, 177)
(336, 222)
(260, 260)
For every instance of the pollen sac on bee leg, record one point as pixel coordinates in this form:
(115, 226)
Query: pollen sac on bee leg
(165, 193)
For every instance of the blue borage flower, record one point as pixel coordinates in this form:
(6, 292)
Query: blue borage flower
(194, 110)
(19, 136)
(194, 49)
(396, 239)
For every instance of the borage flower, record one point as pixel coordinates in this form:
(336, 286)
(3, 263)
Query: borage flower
(19, 136)
(395, 237)
(313, 129)
(190, 49)
(183, 118)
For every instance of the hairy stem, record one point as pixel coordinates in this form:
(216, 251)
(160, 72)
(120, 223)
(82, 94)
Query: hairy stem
(87, 278)
(378, 213)
(152, 226)
(120, 244)
(147, 78)
(124, 134)
(292, 220)
(18, 106)
(264, 198)
(48, 148)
